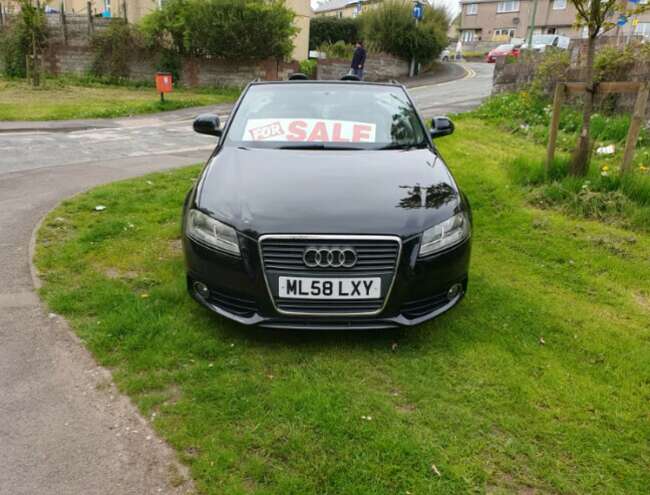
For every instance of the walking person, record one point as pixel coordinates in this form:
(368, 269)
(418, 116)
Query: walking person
(358, 60)
(459, 50)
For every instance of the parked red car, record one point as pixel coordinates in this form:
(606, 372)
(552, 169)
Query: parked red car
(501, 51)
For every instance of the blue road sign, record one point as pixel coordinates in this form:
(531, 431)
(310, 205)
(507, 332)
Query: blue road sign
(418, 11)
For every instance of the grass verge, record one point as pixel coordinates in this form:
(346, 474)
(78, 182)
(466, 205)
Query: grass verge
(538, 382)
(71, 99)
(602, 194)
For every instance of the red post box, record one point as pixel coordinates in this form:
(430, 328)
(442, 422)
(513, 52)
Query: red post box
(164, 84)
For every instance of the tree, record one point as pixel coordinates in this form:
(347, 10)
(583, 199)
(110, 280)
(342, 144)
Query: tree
(22, 43)
(228, 29)
(596, 16)
(390, 27)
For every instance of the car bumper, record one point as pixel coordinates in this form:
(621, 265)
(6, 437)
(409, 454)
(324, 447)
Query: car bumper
(237, 288)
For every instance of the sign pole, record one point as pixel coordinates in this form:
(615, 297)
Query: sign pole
(417, 15)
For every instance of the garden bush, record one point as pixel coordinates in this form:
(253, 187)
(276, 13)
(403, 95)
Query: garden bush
(113, 49)
(552, 67)
(308, 67)
(613, 63)
(329, 29)
(227, 29)
(390, 28)
(337, 50)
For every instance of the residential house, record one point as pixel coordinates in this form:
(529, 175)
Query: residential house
(136, 9)
(344, 8)
(501, 20)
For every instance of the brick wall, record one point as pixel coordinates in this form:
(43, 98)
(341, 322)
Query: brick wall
(379, 67)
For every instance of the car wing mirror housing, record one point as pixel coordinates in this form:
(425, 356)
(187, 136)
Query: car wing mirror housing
(441, 126)
(207, 123)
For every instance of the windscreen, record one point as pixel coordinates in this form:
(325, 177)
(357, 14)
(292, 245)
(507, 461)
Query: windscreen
(356, 116)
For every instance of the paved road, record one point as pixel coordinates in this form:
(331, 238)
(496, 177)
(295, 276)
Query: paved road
(64, 429)
(455, 96)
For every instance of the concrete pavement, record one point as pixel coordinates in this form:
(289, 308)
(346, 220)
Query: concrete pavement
(64, 429)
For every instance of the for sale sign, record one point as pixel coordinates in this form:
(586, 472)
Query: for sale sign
(310, 130)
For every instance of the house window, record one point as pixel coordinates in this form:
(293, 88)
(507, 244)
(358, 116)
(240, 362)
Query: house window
(643, 29)
(503, 34)
(339, 14)
(508, 6)
(467, 36)
(471, 9)
(559, 4)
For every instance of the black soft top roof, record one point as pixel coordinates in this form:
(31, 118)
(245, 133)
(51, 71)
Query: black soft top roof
(395, 84)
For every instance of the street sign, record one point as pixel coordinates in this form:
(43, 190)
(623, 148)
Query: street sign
(622, 20)
(418, 11)
(634, 1)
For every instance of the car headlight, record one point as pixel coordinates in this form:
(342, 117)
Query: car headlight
(209, 231)
(445, 234)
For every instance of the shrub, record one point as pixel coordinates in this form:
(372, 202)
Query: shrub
(613, 64)
(228, 29)
(390, 28)
(113, 49)
(332, 29)
(337, 50)
(308, 67)
(552, 67)
(16, 41)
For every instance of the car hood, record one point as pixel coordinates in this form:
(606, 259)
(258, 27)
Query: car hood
(263, 191)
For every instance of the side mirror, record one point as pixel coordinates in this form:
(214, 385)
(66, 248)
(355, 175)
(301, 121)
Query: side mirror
(207, 123)
(441, 126)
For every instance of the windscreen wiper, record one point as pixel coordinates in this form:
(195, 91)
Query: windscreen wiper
(397, 146)
(316, 146)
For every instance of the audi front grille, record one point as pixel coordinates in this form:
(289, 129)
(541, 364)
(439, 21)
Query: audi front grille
(376, 256)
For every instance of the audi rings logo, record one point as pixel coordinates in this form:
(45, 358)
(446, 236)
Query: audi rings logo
(324, 257)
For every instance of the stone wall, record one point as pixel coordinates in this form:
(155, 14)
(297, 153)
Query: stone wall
(68, 52)
(510, 77)
(379, 67)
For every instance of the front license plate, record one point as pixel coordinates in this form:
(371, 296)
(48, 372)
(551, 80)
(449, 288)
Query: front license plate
(330, 288)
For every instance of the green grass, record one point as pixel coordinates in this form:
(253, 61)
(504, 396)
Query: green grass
(538, 382)
(72, 99)
(603, 194)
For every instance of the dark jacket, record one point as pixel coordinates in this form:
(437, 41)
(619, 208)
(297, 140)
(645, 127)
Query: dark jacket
(359, 58)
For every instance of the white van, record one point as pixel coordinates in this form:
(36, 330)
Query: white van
(541, 41)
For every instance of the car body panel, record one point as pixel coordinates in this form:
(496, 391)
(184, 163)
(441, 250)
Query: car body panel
(260, 191)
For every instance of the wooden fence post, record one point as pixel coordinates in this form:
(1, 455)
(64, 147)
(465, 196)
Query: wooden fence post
(124, 12)
(64, 25)
(91, 26)
(635, 127)
(558, 97)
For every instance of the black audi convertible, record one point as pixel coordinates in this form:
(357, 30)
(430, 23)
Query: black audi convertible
(326, 205)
